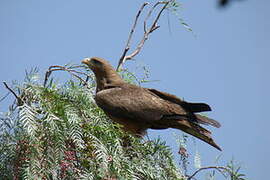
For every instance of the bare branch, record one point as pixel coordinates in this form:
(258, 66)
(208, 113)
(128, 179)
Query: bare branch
(159, 14)
(19, 100)
(4, 97)
(219, 168)
(62, 68)
(146, 34)
(149, 14)
(130, 36)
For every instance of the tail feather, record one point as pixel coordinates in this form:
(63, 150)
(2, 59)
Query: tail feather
(195, 107)
(197, 131)
(208, 121)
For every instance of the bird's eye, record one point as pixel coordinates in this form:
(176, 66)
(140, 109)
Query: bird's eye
(96, 62)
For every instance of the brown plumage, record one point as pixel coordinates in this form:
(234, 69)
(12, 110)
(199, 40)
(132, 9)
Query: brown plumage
(139, 109)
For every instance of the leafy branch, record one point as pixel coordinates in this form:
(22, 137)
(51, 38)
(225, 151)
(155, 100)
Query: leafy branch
(230, 171)
(60, 133)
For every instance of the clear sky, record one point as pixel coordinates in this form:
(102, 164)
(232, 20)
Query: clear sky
(225, 62)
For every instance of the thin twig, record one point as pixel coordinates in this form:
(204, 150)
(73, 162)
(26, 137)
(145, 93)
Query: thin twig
(219, 168)
(152, 28)
(69, 69)
(4, 97)
(19, 100)
(130, 36)
(149, 14)
(159, 14)
(62, 68)
(133, 76)
(148, 32)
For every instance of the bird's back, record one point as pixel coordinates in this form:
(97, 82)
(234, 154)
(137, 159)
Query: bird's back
(136, 103)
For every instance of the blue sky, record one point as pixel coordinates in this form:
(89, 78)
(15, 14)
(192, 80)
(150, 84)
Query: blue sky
(224, 62)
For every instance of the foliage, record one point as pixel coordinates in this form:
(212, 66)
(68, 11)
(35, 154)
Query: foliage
(174, 8)
(235, 169)
(56, 131)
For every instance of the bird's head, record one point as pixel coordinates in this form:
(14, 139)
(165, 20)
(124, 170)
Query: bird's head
(96, 64)
(104, 72)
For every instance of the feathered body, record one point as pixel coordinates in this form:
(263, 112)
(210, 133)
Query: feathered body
(139, 109)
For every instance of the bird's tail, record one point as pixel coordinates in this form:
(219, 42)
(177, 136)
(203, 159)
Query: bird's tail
(207, 121)
(196, 130)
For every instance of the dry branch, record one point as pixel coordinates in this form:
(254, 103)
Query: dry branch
(19, 100)
(146, 34)
(219, 168)
(69, 70)
(4, 97)
(130, 35)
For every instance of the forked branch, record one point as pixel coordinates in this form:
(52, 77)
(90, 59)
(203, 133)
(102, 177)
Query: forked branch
(130, 35)
(69, 70)
(147, 32)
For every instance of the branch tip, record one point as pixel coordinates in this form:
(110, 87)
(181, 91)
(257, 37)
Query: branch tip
(147, 32)
(19, 100)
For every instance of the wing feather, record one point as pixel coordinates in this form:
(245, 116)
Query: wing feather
(191, 107)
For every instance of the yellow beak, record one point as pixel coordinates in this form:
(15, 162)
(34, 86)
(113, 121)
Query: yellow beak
(87, 61)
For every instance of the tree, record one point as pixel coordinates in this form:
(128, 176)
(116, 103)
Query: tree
(55, 131)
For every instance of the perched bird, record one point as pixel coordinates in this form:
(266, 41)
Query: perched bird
(138, 109)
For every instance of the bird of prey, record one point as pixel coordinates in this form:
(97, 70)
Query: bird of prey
(138, 109)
